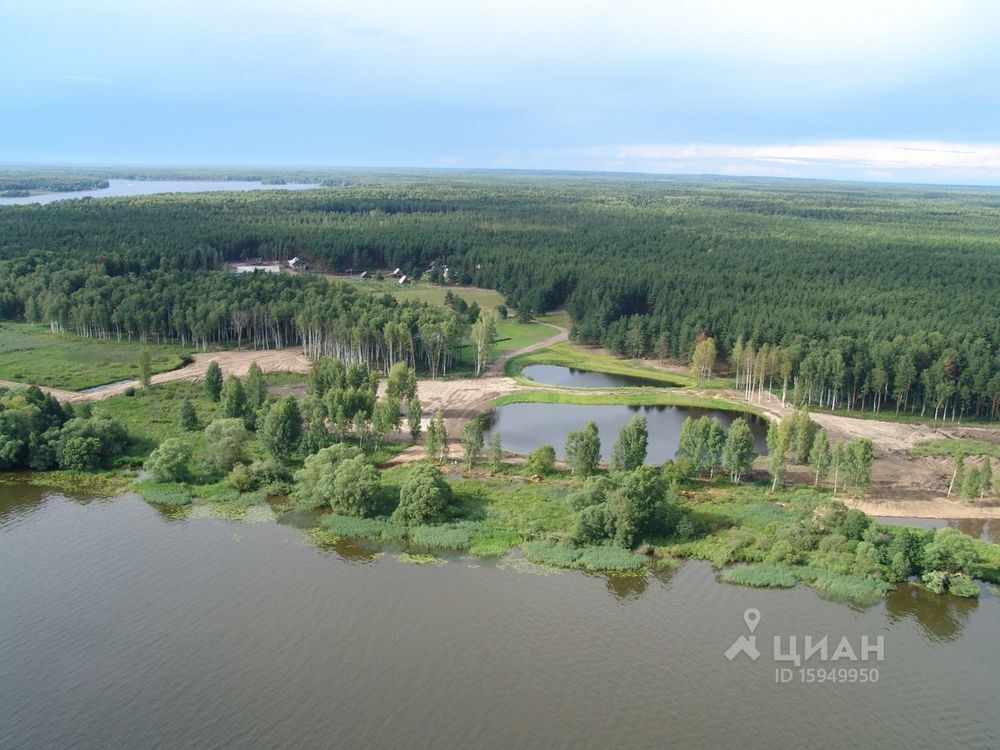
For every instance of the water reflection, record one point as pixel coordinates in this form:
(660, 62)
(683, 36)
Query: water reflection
(570, 376)
(525, 427)
(941, 618)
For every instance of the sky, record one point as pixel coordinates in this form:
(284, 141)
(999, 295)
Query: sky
(873, 90)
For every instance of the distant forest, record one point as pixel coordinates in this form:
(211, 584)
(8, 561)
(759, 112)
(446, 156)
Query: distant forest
(863, 297)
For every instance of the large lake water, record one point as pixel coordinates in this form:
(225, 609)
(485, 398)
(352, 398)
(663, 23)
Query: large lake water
(150, 187)
(524, 427)
(124, 626)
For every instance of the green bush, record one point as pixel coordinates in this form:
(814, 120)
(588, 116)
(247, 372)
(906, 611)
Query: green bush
(541, 461)
(169, 461)
(423, 498)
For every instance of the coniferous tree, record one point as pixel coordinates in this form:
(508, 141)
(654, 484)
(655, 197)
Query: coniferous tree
(145, 368)
(187, 417)
(413, 416)
(233, 399)
(971, 485)
(213, 381)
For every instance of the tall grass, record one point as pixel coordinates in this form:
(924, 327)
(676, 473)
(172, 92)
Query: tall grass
(164, 493)
(761, 575)
(599, 559)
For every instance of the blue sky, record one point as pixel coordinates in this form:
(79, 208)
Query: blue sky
(905, 90)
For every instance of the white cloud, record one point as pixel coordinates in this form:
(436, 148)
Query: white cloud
(889, 160)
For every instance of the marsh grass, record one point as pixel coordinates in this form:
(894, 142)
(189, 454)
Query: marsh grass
(597, 559)
(761, 575)
(376, 529)
(842, 587)
(450, 536)
(164, 493)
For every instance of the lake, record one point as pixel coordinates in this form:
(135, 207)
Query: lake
(151, 187)
(524, 427)
(570, 376)
(125, 626)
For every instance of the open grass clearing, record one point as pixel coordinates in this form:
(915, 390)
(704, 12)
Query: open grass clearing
(34, 355)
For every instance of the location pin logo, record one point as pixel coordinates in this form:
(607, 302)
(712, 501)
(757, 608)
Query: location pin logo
(752, 618)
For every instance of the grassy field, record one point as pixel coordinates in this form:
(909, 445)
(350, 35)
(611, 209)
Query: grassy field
(952, 446)
(151, 416)
(433, 293)
(627, 397)
(32, 354)
(571, 355)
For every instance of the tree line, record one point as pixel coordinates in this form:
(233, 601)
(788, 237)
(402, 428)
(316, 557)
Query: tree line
(875, 298)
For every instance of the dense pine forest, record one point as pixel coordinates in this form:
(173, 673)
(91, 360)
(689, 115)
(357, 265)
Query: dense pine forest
(861, 297)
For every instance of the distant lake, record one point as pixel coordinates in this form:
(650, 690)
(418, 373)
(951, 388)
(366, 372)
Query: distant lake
(117, 188)
(524, 427)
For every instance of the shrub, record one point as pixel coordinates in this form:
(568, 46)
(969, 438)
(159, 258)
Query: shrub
(354, 490)
(423, 498)
(169, 461)
(80, 453)
(593, 492)
(224, 443)
(263, 474)
(314, 482)
(592, 525)
(541, 461)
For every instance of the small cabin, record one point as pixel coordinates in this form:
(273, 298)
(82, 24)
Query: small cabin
(364, 275)
(397, 273)
(296, 264)
(404, 279)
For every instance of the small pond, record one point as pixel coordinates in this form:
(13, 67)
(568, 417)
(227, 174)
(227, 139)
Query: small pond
(570, 376)
(524, 427)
